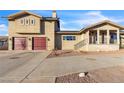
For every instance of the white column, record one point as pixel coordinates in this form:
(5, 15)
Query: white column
(87, 40)
(118, 36)
(87, 36)
(98, 36)
(108, 37)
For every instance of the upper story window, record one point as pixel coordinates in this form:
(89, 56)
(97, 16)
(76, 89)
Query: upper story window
(22, 21)
(32, 21)
(27, 21)
(69, 38)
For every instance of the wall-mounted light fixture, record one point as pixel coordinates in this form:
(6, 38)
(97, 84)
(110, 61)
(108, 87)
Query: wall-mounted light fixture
(10, 38)
(29, 39)
(48, 39)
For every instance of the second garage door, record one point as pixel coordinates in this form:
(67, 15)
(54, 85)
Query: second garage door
(39, 43)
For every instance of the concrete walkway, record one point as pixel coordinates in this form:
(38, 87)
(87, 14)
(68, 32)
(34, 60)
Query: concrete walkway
(53, 67)
(18, 74)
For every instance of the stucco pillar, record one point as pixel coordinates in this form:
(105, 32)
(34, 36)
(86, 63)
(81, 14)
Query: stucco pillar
(29, 42)
(108, 37)
(10, 44)
(98, 36)
(118, 36)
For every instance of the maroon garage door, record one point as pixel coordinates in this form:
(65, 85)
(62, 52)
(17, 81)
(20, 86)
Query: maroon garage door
(39, 43)
(19, 43)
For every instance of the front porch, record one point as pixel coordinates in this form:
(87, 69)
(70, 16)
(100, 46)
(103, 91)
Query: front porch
(104, 37)
(103, 40)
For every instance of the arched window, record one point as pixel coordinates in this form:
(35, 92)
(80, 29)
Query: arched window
(27, 21)
(32, 22)
(22, 21)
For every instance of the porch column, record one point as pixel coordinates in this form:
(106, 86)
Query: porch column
(118, 36)
(108, 37)
(98, 36)
(87, 36)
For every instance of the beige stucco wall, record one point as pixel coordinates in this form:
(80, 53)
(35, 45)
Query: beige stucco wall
(40, 29)
(20, 28)
(69, 45)
(50, 34)
(103, 47)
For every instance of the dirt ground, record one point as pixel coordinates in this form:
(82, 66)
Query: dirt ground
(62, 53)
(104, 75)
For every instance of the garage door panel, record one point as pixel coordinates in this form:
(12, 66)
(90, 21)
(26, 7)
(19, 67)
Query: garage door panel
(39, 43)
(19, 43)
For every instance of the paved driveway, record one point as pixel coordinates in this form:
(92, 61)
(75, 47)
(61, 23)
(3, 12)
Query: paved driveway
(16, 66)
(53, 67)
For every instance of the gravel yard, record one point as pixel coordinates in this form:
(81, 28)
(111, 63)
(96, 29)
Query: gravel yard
(104, 75)
(74, 78)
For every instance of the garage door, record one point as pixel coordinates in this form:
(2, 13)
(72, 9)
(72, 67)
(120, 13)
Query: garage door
(39, 43)
(19, 43)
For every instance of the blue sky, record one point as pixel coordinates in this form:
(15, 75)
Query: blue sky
(70, 19)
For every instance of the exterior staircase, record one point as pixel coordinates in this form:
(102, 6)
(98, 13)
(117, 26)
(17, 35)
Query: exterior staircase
(80, 44)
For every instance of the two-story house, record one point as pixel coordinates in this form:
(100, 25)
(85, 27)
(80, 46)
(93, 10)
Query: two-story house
(28, 31)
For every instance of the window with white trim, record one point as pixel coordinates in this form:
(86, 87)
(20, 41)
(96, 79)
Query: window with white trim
(32, 22)
(27, 21)
(22, 21)
(69, 38)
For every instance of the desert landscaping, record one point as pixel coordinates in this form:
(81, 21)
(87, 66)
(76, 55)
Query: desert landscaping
(104, 75)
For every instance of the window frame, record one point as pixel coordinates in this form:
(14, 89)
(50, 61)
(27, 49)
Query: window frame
(22, 21)
(27, 21)
(32, 21)
(69, 38)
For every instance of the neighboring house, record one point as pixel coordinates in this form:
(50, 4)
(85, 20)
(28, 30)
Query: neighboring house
(3, 42)
(28, 31)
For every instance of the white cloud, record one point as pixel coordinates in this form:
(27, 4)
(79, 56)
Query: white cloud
(3, 27)
(95, 14)
(70, 29)
(6, 34)
(63, 25)
(63, 22)
(89, 18)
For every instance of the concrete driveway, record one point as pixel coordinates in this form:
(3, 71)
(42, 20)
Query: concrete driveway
(59, 66)
(15, 66)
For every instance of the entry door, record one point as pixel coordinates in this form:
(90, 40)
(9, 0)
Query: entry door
(39, 43)
(19, 43)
